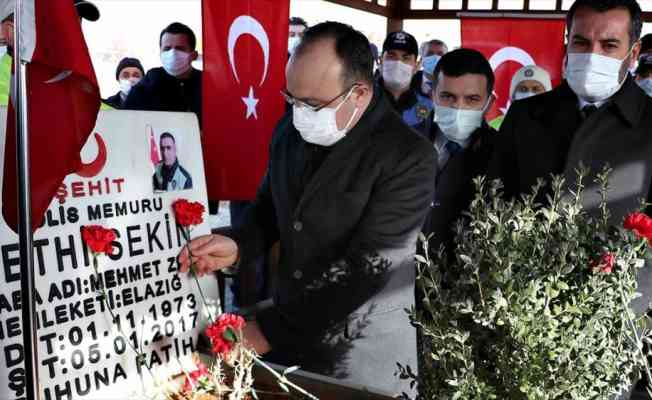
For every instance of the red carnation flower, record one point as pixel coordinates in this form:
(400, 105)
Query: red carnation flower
(605, 264)
(223, 333)
(193, 377)
(640, 224)
(98, 239)
(188, 213)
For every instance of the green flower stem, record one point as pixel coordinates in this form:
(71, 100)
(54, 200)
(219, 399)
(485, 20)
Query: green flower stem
(203, 298)
(638, 339)
(477, 276)
(114, 318)
(280, 378)
(194, 274)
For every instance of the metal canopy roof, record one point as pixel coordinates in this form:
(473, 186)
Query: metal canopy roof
(399, 10)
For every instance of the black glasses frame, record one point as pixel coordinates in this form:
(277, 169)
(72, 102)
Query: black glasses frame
(294, 101)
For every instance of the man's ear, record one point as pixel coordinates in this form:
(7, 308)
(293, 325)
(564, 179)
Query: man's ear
(194, 55)
(490, 104)
(636, 51)
(359, 92)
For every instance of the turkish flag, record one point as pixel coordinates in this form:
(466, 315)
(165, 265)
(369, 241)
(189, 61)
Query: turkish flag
(245, 53)
(63, 102)
(512, 43)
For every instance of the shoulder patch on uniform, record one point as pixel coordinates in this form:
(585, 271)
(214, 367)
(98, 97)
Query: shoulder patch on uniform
(422, 111)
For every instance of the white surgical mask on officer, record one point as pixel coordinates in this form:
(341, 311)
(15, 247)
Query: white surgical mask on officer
(458, 124)
(594, 77)
(176, 62)
(646, 85)
(397, 74)
(320, 127)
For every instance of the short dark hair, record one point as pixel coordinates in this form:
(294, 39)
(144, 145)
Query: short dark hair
(167, 135)
(606, 5)
(437, 42)
(351, 47)
(298, 21)
(176, 28)
(465, 61)
(646, 43)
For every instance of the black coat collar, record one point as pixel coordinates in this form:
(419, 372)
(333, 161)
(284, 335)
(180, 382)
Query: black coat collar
(407, 100)
(628, 103)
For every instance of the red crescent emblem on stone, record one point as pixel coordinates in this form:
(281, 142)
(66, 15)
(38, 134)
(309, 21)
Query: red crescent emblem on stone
(94, 167)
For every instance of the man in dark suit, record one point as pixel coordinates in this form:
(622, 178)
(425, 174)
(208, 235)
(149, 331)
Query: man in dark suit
(346, 192)
(462, 94)
(597, 116)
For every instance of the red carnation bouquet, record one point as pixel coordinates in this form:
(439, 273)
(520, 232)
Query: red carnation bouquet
(231, 370)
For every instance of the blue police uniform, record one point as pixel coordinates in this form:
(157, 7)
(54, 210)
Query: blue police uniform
(413, 106)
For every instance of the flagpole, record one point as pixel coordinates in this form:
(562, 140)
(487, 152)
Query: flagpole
(30, 344)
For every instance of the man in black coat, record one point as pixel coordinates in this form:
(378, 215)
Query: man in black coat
(462, 95)
(346, 192)
(597, 116)
(176, 86)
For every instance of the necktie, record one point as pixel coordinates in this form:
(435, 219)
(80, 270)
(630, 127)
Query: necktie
(452, 148)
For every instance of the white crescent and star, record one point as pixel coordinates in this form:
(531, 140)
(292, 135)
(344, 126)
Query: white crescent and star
(242, 25)
(510, 54)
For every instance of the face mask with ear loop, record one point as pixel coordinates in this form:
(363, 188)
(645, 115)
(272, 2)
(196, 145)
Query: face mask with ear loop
(320, 127)
(459, 124)
(594, 77)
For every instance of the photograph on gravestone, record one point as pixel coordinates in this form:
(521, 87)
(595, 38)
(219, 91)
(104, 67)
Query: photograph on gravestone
(114, 324)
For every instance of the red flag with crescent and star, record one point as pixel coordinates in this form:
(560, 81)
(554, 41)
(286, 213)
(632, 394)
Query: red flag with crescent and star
(508, 44)
(245, 53)
(63, 102)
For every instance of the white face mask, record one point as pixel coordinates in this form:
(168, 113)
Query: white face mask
(523, 95)
(127, 84)
(175, 62)
(320, 127)
(397, 74)
(646, 85)
(594, 77)
(458, 124)
(293, 42)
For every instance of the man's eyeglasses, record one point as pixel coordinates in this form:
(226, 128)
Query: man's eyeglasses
(296, 102)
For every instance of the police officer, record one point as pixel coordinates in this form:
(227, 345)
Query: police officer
(398, 68)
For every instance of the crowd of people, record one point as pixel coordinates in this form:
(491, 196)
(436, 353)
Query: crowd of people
(379, 145)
